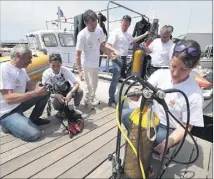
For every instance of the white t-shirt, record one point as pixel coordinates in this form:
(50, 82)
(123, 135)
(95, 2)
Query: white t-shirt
(67, 74)
(11, 78)
(176, 102)
(161, 53)
(120, 41)
(89, 43)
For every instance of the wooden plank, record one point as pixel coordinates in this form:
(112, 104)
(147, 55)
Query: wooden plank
(90, 162)
(2, 134)
(55, 125)
(33, 145)
(199, 169)
(177, 170)
(6, 139)
(9, 137)
(57, 162)
(210, 169)
(103, 171)
(31, 156)
(86, 113)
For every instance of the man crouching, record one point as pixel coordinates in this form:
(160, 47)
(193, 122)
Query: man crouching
(65, 88)
(14, 100)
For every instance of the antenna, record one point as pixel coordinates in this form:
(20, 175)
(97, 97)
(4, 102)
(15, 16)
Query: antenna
(190, 14)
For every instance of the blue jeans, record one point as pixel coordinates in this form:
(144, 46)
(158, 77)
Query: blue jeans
(161, 130)
(117, 64)
(21, 126)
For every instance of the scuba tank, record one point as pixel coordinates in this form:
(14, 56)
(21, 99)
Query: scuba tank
(146, 143)
(137, 63)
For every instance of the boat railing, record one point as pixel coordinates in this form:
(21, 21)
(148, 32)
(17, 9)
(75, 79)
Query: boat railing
(69, 60)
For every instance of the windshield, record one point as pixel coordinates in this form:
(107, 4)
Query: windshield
(33, 42)
(66, 40)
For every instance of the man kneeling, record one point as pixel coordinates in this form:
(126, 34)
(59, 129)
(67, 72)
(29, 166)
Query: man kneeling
(14, 99)
(66, 87)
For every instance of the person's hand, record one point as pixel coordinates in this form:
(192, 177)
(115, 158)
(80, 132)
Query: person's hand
(117, 53)
(113, 56)
(135, 98)
(81, 75)
(147, 33)
(68, 97)
(40, 90)
(60, 98)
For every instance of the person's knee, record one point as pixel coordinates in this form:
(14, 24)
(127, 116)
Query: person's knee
(57, 105)
(125, 118)
(33, 135)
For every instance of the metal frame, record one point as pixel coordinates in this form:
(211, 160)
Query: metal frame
(108, 22)
(119, 5)
(103, 10)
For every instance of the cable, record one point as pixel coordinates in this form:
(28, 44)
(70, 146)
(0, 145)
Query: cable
(118, 117)
(196, 145)
(139, 133)
(188, 116)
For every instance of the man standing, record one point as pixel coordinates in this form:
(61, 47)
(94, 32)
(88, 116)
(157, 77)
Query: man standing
(120, 40)
(14, 99)
(89, 42)
(161, 49)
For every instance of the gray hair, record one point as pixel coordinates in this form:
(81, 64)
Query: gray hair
(21, 49)
(89, 14)
(167, 28)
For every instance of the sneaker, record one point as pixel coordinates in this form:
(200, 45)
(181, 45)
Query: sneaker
(88, 104)
(95, 102)
(112, 104)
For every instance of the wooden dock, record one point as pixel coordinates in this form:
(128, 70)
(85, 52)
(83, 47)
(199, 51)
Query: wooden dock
(55, 155)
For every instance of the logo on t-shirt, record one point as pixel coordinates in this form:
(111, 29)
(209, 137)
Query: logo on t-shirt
(18, 81)
(90, 45)
(171, 102)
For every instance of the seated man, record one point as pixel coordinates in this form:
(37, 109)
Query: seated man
(61, 74)
(185, 57)
(15, 100)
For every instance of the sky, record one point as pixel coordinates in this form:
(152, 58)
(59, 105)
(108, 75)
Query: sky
(19, 17)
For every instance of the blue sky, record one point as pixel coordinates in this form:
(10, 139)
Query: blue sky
(20, 17)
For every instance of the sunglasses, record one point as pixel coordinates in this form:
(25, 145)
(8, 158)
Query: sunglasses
(190, 51)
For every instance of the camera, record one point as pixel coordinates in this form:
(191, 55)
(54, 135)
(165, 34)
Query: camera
(57, 85)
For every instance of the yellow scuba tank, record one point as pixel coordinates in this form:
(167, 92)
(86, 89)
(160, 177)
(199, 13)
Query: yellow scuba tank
(148, 135)
(137, 64)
